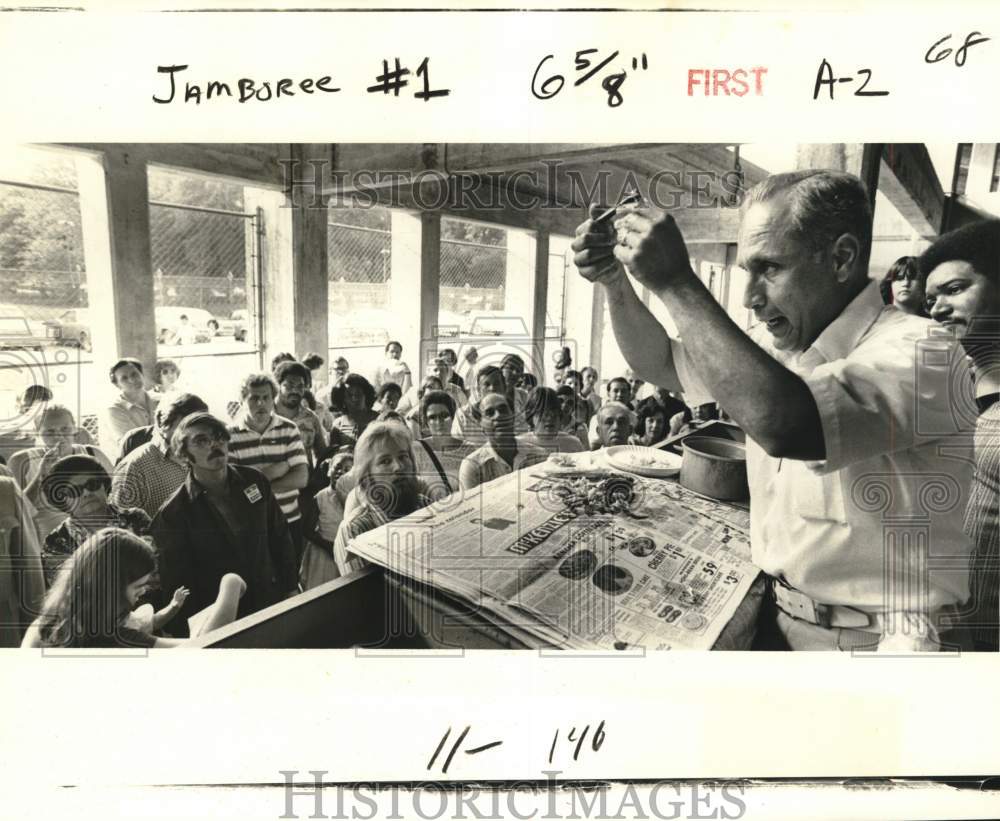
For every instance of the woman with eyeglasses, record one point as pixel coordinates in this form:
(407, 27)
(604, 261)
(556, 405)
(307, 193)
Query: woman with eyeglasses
(78, 486)
(439, 455)
(902, 287)
(414, 423)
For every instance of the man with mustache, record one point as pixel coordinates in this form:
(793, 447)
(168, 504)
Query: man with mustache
(843, 415)
(502, 453)
(962, 271)
(223, 519)
(294, 379)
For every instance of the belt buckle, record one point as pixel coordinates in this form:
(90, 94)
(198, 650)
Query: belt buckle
(798, 605)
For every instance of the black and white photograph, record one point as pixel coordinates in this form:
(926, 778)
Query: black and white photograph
(488, 406)
(221, 388)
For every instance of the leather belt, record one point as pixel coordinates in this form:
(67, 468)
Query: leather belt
(798, 605)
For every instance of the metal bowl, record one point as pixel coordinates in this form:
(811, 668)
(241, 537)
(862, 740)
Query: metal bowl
(715, 467)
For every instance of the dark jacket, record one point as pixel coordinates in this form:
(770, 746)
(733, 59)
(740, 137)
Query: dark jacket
(197, 548)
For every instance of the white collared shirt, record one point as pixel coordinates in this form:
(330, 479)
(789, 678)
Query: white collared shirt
(887, 502)
(484, 464)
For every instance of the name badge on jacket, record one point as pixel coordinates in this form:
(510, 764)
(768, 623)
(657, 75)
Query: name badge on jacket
(253, 494)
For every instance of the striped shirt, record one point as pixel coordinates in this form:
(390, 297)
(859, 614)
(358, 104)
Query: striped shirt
(280, 442)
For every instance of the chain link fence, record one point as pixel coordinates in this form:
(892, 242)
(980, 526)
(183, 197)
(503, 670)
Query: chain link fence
(359, 246)
(473, 268)
(201, 260)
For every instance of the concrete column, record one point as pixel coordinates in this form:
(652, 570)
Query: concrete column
(429, 289)
(310, 304)
(579, 301)
(519, 286)
(415, 248)
(277, 264)
(861, 159)
(597, 330)
(541, 297)
(114, 208)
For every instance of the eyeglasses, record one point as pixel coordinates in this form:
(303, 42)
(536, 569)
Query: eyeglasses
(92, 485)
(900, 276)
(204, 440)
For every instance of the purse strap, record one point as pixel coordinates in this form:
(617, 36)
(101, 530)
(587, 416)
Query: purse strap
(437, 464)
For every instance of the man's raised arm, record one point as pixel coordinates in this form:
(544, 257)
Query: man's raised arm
(642, 340)
(773, 405)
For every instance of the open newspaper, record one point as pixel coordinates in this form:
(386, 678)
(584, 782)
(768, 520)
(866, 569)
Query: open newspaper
(560, 556)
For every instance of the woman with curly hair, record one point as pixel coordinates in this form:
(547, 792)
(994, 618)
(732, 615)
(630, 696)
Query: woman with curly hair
(92, 599)
(351, 403)
(652, 425)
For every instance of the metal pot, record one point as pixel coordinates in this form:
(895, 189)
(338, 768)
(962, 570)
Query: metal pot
(715, 467)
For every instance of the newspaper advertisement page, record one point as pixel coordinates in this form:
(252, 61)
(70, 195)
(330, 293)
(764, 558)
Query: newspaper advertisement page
(667, 570)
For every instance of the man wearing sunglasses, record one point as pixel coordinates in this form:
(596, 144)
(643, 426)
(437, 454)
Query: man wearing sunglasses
(223, 519)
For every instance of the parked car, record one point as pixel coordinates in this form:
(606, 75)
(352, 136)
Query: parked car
(15, 331)
(236, 326)
(365, 327)
(168, 320)
(71, 327)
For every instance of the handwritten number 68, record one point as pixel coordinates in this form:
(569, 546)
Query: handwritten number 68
(972, 39)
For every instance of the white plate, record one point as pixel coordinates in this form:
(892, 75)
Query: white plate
(573, 464)
(653, 462)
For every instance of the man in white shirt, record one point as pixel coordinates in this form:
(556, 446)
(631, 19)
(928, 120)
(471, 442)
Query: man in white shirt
(186, 333)
(844, 413)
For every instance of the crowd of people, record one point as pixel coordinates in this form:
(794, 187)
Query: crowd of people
(186, 519)
(245, 509)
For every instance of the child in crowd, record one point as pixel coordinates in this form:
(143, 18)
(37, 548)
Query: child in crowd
(388, 397)
(318, 565)
(92, 599)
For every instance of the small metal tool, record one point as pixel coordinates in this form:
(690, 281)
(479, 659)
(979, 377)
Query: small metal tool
(628, 199)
